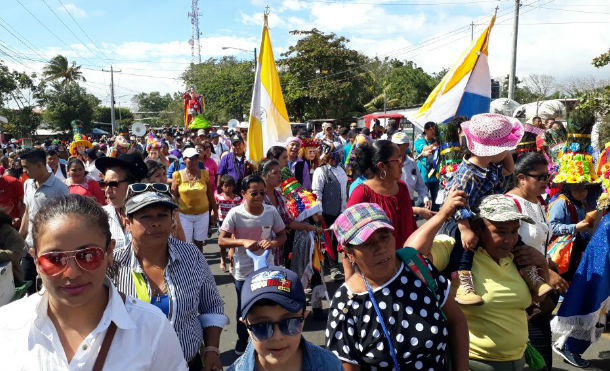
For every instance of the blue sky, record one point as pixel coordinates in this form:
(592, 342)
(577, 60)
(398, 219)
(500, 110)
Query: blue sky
(148, 40)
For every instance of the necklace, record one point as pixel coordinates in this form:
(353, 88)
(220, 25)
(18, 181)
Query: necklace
(192, 179)
(159, 291)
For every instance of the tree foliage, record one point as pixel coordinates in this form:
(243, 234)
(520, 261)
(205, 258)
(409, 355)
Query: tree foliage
(598, 100)
(323, 78)
(60, 70)
(152, 107)
(66, 102)
(123, 116)
(226, 85)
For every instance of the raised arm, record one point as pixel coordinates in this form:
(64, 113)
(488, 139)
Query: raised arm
(423, 236)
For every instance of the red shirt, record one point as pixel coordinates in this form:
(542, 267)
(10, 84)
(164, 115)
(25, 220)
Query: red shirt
(89, 189)
(397, 207)
(11, 191)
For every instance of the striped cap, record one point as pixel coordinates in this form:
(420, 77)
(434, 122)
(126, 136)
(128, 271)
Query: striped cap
(356, 224)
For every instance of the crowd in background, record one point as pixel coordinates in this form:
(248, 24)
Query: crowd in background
(442, 246)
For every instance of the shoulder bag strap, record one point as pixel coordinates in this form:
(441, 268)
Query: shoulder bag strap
(386, 333)
(415, 262)
(516, 202)
(101, 356)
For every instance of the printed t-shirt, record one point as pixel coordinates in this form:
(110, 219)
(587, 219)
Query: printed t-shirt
(244, 225)
(225, 205)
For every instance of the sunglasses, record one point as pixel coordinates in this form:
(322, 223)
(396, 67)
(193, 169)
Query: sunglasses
(144, 187)
(264, 330)
(540, 177)
(112, 184)
(88, 259)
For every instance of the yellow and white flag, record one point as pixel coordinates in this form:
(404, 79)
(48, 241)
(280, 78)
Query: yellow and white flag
(269, 122)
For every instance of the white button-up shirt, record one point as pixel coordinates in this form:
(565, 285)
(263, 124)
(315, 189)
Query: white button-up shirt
(120, 236)
(144, 339)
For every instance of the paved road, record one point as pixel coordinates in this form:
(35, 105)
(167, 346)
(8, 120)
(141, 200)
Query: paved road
(599, 353)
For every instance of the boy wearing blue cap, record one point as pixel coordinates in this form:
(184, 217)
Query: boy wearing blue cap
(273, 310)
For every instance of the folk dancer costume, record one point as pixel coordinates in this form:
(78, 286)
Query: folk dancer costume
(80, 143)
(306, 257)
(581, 317)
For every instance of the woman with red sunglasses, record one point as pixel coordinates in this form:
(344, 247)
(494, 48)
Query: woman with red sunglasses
(78, 310)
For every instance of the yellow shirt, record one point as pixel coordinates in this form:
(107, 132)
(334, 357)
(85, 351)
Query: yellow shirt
(498, 328)
(193, 194)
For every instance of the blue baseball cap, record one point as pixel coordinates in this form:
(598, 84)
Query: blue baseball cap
(277, 284)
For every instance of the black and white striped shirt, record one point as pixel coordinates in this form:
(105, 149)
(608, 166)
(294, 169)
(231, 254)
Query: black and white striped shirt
(195, 302)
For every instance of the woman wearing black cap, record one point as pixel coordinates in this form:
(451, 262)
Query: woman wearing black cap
(118, 173)
(170, 274)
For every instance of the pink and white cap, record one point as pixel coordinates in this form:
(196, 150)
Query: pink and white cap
(489, 134)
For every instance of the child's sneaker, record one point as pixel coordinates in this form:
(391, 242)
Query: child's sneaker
(466, 294)
(535, 283)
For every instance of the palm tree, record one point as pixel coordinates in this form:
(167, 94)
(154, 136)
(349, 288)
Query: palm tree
(58, 68)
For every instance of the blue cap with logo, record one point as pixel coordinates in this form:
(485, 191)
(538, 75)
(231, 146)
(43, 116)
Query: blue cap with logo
(277, 284)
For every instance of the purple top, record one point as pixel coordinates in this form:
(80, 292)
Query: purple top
(306, 183)
(234, 167)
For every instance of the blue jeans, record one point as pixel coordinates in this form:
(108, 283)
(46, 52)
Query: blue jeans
(242, 331)
(460, 259)
(576, 345)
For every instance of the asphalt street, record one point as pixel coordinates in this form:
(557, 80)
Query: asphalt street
(598, 353)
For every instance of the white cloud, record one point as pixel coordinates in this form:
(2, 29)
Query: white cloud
(72, 9)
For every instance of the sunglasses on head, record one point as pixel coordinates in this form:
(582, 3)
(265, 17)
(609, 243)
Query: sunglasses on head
(264, 330)
(55, 262)
(539, 177)
(112, 184)
(144, 187)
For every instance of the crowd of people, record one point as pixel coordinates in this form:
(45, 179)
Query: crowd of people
(451, 251)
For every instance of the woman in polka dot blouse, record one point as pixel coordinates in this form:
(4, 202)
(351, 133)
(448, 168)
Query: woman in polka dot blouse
(419, 331)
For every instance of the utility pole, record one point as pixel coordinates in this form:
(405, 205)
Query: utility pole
(255, 61)
(112, 115)
(513, 62)
(471, 30)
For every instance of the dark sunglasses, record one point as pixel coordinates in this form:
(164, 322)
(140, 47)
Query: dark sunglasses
(540, 177)
(113, 183)
(144, 187)
(264, 330)
(55, 262)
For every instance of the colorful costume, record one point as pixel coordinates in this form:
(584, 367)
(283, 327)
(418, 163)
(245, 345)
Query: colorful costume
(80, 143)
(194, 107)
(581, 317)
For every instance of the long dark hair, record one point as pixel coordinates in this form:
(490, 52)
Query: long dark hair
(367, 156)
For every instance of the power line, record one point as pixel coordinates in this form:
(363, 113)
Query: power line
(68, 28)
(82, 30)
(401, 4)
(48, 29)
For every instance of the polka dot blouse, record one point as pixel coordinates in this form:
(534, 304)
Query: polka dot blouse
(412, 316)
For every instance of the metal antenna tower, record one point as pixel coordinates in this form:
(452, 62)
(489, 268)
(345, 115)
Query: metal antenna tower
(195, 33)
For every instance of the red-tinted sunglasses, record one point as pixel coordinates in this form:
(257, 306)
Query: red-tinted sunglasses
(53, 263)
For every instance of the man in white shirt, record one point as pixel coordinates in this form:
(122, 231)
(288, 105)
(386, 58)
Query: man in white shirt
(55, 167)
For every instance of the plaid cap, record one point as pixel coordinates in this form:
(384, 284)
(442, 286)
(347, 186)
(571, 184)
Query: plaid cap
(500, 208)
(356, 224)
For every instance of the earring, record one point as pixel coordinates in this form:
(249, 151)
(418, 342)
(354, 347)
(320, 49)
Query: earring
(38, 289)
(382, 177)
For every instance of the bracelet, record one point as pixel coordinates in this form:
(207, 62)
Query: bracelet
(211, 349)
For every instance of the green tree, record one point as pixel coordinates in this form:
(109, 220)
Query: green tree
(323, 78)
(22, 122)
(124, 116)
(226, 85)
(18, 89)
(151, 105)
(523, 94)
(405, 84)
(59, 69)
(67, 102)
(598, 99)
